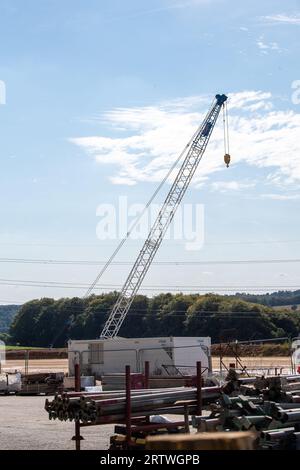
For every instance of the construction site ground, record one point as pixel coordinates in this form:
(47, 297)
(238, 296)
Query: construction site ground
(61, 365)
(24, 423)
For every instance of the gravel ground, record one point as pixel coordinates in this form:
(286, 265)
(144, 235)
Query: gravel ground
(24, 425)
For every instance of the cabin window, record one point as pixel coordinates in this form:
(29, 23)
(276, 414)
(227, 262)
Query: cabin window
(96, 353)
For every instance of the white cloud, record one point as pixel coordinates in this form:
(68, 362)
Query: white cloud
(281, 197)
(250, 100)
(224, 186)
(153, 136)
(123, 180)
(265, 47)
(283, 19)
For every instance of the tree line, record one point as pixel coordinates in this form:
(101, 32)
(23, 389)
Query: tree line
(7, 314)
(51, 323)
(279, 298)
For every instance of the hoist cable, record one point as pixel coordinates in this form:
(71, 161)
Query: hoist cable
(135, 222)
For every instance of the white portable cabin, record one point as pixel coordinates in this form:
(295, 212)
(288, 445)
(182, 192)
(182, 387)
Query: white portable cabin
(167, 356)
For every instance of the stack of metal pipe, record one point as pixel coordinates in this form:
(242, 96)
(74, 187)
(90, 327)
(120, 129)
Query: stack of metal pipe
(277, 424)
(110, 407)
(278, 388)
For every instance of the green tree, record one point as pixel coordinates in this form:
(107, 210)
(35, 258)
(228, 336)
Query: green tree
(172, 315)
(134, 323)
(24, 327)
(96, 314)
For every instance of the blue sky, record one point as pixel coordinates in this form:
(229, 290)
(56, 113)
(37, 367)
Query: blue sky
(101, 97)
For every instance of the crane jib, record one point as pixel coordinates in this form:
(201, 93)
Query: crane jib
(162, 222)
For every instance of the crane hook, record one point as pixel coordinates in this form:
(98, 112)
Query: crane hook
(227, 159)
(226, 135)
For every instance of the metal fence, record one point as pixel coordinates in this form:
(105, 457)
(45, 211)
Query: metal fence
(137, 359)
(57, 361)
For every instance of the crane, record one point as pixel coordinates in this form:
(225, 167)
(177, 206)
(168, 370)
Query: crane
(139, 270)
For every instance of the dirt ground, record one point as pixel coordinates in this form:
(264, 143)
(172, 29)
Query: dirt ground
(61, 365)
(42, 365)
(256, 362)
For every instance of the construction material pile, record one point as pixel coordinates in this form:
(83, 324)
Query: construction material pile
(42, 383)
(111, 382)
(277, 423)
(10, 382)
(110, 407)
(279, 388)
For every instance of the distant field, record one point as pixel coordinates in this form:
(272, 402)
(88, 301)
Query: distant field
(288, 307)
(19, 348)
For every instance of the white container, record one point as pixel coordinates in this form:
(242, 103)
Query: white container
(167, 356)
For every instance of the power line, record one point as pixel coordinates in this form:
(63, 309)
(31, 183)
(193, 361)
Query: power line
(74, 284)
(138, 218)
(175, 312)
(151, 311)
(78, 245)
(158, 263)
(71, 285)
(163, 313)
